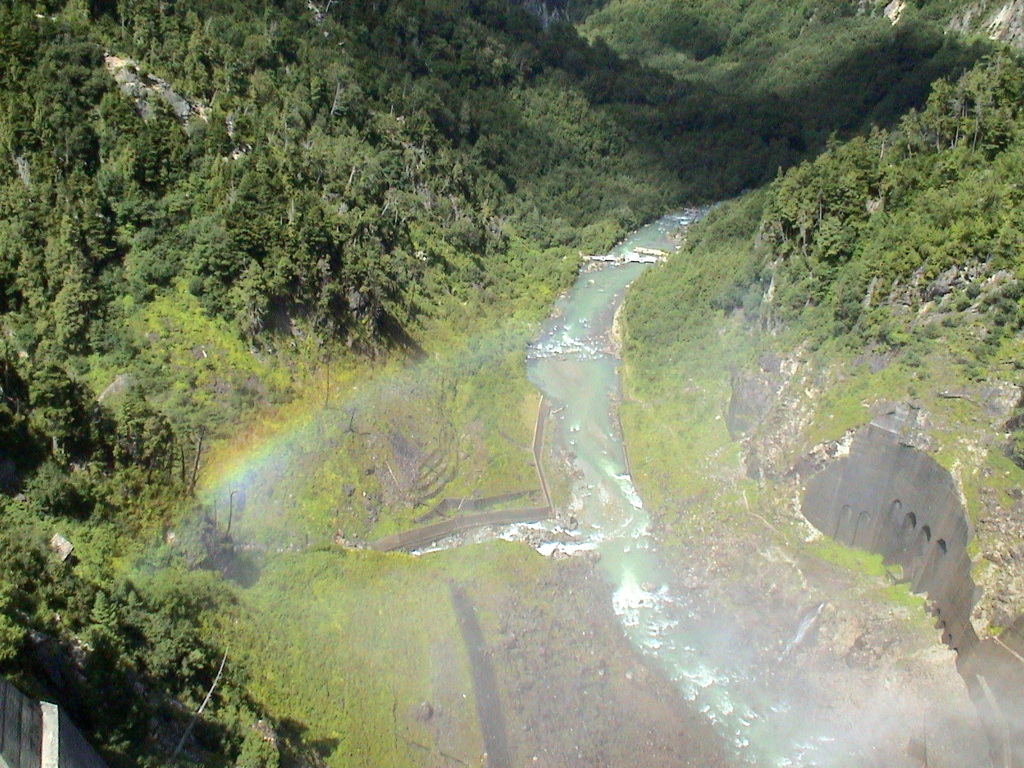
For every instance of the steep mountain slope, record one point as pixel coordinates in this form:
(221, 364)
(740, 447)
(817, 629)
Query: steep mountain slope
(878, 283)
(825, 67)
(205, 206)
(208, 209)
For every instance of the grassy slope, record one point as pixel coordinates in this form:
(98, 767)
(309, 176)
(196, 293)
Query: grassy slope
(355, 696)
(486, 260)
(695, 322)
(385, 638)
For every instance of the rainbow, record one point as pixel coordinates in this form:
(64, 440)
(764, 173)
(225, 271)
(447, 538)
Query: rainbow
(278, 481)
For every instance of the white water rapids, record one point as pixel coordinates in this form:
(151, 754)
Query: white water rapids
(574, 364)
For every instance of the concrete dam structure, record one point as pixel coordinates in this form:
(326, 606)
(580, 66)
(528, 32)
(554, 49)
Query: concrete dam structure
(36, 734)
(892, 499)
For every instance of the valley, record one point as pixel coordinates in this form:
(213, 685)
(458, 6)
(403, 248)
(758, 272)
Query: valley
(283, 281)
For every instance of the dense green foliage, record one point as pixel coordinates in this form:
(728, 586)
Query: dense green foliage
(338, 180)
(900, 247)
(204, 203)
(175, 253)
(873, 231)
(901, 208)
(776, 80)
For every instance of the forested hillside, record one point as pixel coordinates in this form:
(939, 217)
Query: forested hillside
(886, 270)
(840, 237)
(205, 203)
(803, 71)
(200, 202)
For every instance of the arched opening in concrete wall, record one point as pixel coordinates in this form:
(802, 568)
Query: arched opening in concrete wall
(897, 532)
(906, 532)
(928, 570)
(842, 521)
(861, 529)
(916, 549)
(926, 534)
(915, 561)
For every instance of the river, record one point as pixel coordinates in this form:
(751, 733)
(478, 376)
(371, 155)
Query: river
(574, 363)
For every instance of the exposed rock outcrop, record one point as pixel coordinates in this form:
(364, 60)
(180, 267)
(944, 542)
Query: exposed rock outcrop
(879, 488)
(753, 394)
(143, 88)
(1000, 21)
(894, 10)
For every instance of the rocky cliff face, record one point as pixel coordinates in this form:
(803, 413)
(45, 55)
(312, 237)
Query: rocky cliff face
(774, 405)
(1000, 21)
(869, 670)
(549, 11)
(143, 88)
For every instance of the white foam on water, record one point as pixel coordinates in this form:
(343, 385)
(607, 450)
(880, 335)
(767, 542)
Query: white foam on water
(625, 483)
(701, 676)
(630, 599)
(566, 348)
(426, 550)
(613, 518)
(662, 626)
(549, 548)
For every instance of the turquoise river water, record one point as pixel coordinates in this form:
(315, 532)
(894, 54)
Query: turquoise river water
(574, 363)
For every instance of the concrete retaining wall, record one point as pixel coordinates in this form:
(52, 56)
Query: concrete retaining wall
(37, 734)
(892, 499)
(446, 506)
(543, 411)
(63, 745)
(21, 728)
(428, 534)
